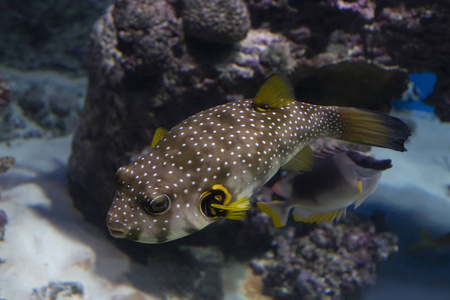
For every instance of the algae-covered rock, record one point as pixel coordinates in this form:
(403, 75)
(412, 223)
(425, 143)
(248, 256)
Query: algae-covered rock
(326, 261)
(148, 34)
(222, 21)
(59, 290)
(6, 163)
(42, 104)
(356, 83)
(43, 34)
(5, 93)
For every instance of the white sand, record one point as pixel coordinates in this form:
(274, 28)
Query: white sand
(46, 239)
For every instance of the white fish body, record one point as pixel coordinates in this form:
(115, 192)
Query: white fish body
(335, 182)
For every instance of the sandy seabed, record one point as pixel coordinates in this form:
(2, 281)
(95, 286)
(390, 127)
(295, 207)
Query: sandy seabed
(46, 238)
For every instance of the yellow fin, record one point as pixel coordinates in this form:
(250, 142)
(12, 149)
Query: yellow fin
(235, 210)
(276, 211)
(301, 162)
(274, 93)
(319, 217)
(340, 213)
(159, 133)
(426, 241)
(361, 197)
(370, 128)
(359, 186)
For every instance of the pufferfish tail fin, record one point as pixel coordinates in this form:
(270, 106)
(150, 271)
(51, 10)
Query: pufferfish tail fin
(372, 128)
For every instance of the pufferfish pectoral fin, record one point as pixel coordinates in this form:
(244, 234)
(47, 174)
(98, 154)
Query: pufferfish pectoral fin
(274, 93)
(235, 210)
(278, 211)
(159, 133)
(302, 162)
(301, 215)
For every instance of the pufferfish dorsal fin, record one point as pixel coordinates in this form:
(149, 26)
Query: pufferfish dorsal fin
(275, 92)
(159, 133)
(302, 162)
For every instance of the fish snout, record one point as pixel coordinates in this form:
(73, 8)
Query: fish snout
(117, 233)
(116, 229)
(121, 230)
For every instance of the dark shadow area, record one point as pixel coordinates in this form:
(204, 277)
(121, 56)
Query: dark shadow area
(354, 84)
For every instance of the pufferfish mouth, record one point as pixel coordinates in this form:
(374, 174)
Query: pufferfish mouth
(123, 233)
(117, 233)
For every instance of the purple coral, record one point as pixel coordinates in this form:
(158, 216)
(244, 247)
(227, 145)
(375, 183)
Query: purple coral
(326, 261)
(364, 7)
(410, 17)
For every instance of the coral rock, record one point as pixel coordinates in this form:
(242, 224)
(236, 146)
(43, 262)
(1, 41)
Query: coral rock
(42, 34)
(5, 93)
(6, 163)
(148, 33)
(59, 290)
(326, 261)
(223, 21)
(3, 222)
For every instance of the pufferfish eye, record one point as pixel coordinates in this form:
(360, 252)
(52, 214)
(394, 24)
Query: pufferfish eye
(158, 205)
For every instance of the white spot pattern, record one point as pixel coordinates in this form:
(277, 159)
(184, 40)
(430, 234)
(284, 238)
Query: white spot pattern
(232, 144)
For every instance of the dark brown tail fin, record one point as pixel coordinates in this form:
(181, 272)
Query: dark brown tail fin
(372, 128)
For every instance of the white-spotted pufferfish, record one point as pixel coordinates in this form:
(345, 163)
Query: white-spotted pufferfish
(208, 166)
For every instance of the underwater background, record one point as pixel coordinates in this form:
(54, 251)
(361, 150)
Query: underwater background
(84, 85)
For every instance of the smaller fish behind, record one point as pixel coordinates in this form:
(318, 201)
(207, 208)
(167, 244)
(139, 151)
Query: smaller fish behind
(427, 242)
(337, 180)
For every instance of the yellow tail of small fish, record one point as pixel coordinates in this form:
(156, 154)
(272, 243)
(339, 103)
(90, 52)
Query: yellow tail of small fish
(372, 128)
